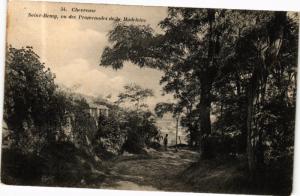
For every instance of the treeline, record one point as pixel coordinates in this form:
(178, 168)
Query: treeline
(233, 75)
(49, 136)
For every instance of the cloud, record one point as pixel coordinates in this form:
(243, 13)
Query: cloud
(57, 42)
(88, 81)
(72, 48)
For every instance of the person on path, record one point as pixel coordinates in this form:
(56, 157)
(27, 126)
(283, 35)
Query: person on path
(166, 142)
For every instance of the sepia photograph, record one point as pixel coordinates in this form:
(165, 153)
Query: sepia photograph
(149, 98)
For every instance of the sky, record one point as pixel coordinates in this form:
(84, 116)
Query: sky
(72, 48)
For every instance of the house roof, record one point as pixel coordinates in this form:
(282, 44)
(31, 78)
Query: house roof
(98, 106)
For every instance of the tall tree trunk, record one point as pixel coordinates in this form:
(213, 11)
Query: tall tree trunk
(259, 79)
(206, 78)
(250, 108)
(204, 112)
(241, 108)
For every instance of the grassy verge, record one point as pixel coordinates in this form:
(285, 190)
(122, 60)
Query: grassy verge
(229, 175)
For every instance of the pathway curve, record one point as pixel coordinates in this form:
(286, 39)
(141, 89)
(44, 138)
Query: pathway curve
(157, 171)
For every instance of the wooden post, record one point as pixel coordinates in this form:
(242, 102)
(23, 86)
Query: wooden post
(177, 121)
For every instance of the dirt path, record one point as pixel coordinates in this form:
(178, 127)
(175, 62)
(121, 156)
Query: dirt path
(158, 171)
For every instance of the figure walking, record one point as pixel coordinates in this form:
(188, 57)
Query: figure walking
(166, 142)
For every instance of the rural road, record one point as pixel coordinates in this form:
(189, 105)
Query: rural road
(158, 171)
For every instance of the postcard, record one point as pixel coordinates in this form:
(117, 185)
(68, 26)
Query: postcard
(148, 98)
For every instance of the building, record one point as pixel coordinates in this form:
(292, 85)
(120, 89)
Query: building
(96, 110)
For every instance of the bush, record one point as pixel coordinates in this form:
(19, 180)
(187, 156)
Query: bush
(21, 169)
(154, 145)
(141, 130)
(110, 137)
(133, 147)
(58, 164)
(66, 164)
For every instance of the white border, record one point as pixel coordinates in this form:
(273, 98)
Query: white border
(289, 5)
(3, 6)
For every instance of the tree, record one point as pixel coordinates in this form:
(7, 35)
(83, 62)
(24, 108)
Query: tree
(29, 92)
(263, 43)
(135, 94)
(188, 48)
(217, 61)
(139, 121)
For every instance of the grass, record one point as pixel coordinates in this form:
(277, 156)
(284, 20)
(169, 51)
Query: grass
(229, 175)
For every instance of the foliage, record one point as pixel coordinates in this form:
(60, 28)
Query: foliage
(126, 129)
(236, 67)
(109, 139)
(135, 94)
(29, 95)
(38, 114)
(133, 127)
(162, 108)
(141, 130)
